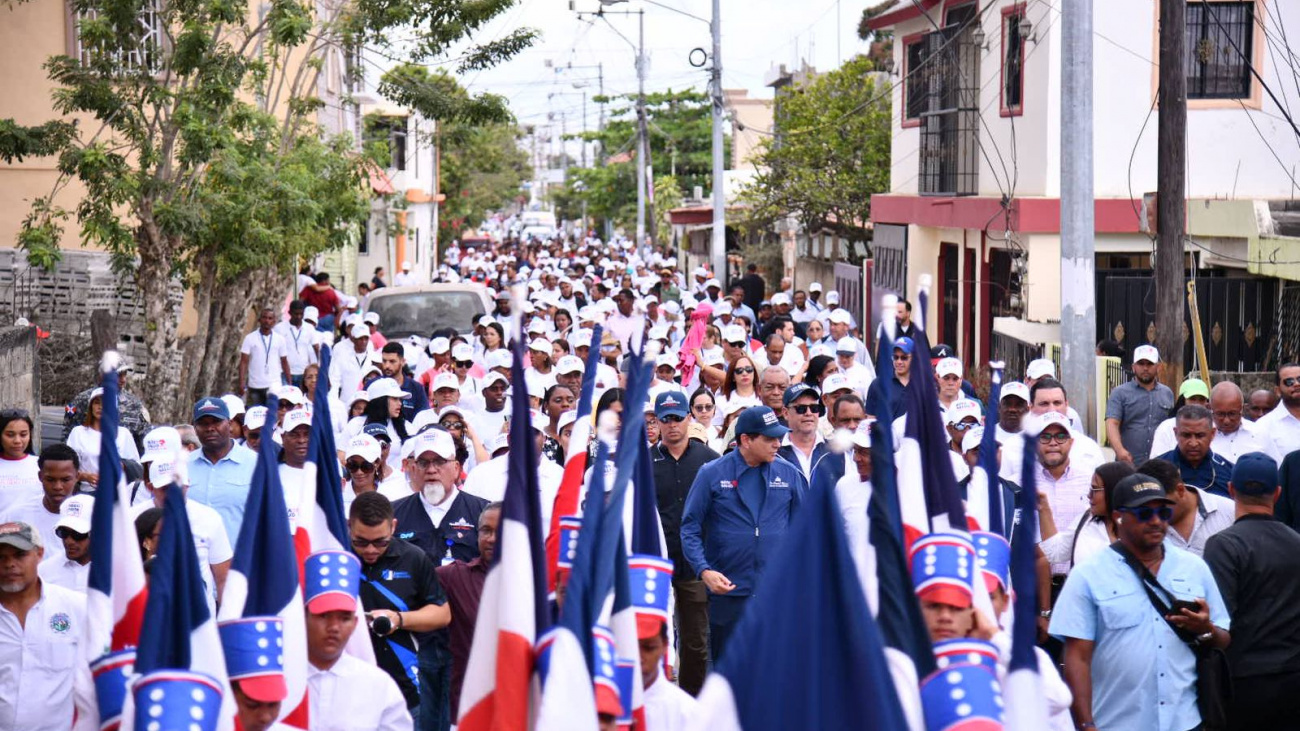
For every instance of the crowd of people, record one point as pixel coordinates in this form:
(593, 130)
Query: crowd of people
(756, 399)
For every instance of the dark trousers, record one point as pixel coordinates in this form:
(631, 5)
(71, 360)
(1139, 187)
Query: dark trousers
(692, 633)
(724, 615)
(1265, 702)
(434, 711)
(256, 397)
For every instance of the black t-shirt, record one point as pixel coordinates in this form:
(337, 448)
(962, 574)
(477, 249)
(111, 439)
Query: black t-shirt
(673, 479)
(1256, 563)
(402, 580)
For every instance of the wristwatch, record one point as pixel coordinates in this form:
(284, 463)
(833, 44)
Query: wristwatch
(1045, 613)
(1205, 638)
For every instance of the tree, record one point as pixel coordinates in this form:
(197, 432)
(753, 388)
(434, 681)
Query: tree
(829, 155)
(203, 161)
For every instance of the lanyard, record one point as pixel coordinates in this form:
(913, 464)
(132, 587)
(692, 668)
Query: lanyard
(296, 336)
(266, 344)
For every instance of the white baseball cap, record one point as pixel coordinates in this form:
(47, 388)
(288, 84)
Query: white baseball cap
(386, 387)
(962, 408)
(972, 438)
(492, 377)
(948, 366)
(815, 287)
(364, 446)
(581, 338)
(499, 358)
(846, 345)
(292, 394)
(734, 334)
(445, 380)
(841, 317)
(359, 330)
(371, 318)
(723, 308)
(434, 440)
(566, 419)
(439, 345)
(1015, 388)
(360, 395)
(167, 471)
(833, 297)
(255, 418)
(570, 364)
(462, 352)
(311, 314)
(1147, 353)
(780, 298)
(74, 513)
(234, 404)
(541, 345)
(1040, 368)
(162, 442)
(836, 382)
(295, 418)
(406, 266)
(712, 283)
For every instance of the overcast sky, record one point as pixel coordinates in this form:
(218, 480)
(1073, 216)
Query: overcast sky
(756, 36)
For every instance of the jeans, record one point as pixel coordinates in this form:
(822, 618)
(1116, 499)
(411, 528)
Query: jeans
(724, 615)
(692, 633)
(434, 711)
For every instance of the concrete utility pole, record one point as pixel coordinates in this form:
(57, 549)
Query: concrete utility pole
(1171, 196)
(718, 244)
(1078, 261)
(641, 142)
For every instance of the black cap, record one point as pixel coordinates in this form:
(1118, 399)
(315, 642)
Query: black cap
(942, 351)
(1137, 490)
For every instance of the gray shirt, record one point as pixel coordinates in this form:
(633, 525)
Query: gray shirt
(1139, 412)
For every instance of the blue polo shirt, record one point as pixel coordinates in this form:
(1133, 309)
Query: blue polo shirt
(1212, 475)
(1143, 676)
(223, 486)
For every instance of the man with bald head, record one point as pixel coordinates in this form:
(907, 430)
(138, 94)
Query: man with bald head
(1261, 402)
(1233, 435)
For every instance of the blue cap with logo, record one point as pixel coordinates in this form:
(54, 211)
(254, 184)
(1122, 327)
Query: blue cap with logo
(670, 403)
(963, 697)
(174, 699)
(760, 420)
(211, 406)
(1255, 474)
(378, 431)
(795, 391)
(905, 344)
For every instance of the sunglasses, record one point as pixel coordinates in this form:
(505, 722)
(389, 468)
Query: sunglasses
(964, 425)
(377, 543)
(1289, 382)
(901, 358)
(365, 467)
(744, 370)
(1060, 437)
(464, 364)
(1145, 514)
(457, 425)
(425, 464)
(801, 409)
(63, 533)
(671, 418)
(703, 407)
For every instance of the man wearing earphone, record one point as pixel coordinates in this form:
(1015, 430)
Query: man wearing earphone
(1198, 464)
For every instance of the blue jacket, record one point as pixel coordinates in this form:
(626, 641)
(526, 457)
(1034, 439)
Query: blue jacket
(820, 450)
(720, 531)
(1212, 476)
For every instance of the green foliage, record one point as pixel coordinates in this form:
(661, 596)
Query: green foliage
(668, 195)
(829, 155)
(482, 169)
(17, 142)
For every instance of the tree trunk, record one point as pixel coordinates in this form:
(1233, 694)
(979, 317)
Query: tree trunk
(153, 286)
(196, 347)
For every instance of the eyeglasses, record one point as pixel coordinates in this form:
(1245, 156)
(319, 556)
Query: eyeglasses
(457, 425)
(1144, 514)
(964, 425)
(425, 464)
(63, 533)
(1224, 415)
(900, 358)
(377, 543)
(744, 370)
(1060, 437)
(703, 407)
(671, 418)
(364, 467)
(1289, 382)
(802, 409)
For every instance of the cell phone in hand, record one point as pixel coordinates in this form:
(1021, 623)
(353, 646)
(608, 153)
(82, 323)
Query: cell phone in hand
(1180, 605)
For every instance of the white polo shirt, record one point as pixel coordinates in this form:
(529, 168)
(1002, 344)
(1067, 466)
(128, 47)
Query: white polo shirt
(264, 353)
(298, 345)
(39, 659)
(65, 573)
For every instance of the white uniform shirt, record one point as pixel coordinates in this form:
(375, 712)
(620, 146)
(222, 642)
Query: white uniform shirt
(667, 706)
(86, 442)
(854, 495)
(292, 479)
(1228, 446)
(39, 659)
(355, 696)
(264, 353)
(298, 346)
(1282, 428)
(346, 365)
(65, 573)
(405, 279)
(19, 479)
(32, 512)
(860, 378)
(211, 542)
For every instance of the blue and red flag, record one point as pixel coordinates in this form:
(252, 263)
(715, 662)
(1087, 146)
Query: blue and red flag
(568, 497)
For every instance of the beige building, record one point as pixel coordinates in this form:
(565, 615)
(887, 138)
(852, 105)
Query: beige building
(751, 123)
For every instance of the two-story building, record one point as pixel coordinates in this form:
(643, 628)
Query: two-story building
(975, 187)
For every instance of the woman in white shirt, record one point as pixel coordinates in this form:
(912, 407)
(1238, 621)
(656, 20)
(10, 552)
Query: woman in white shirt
(739, 389)
(1094, 531)
(85, 440)
(704, 407)
(18, 471)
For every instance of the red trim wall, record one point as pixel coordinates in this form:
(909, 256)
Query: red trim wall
(1017, 10)
(1028, 215)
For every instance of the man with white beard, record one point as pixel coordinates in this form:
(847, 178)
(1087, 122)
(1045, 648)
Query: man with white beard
(437, 517)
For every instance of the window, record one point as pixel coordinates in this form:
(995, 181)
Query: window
(1220, 45)
(913, 79)
(1013, 61)
(949, 151)
(147, 54)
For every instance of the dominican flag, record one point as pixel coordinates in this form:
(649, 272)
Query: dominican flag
(498, 691)
(182, 634)
(263, 578)
(115, 588)
(898, 613)
(322, 524)
(762, 683)
(984, 492)
(1026, 707)
(575, 461)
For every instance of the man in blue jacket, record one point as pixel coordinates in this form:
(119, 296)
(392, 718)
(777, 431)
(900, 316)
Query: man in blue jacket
(736, 514)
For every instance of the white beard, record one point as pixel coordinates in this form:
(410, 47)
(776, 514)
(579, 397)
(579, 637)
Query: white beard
(434, 492)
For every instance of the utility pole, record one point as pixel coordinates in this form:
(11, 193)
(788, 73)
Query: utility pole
(1171, 195)
(1078, 260)
(641, 138)
(718, 244)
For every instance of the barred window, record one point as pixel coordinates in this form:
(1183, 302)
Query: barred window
(146, 56)
(1220, 39)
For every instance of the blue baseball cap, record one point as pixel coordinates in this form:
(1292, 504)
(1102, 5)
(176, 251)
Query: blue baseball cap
(760, 420)
(795, 391)
(1255, 474)
(670, 403)
(378, 431)
(905, 344)
(210, 406)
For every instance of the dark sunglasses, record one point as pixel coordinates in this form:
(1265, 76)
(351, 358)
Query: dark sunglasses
(1060, 437)
(464, 364)
(964, 425)
(902, 357)
(671, 418)
(365, 467)
(703, 407)
(1289, 382)
(817, 409)
(458, 425)
(744, 370)
(63, 533)
(1145, 514)
(377, 543)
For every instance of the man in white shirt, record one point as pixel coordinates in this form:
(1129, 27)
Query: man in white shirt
(1282, 424)
(488, 480)
(1233, 436)
(41, 631)
(840, 325)
(73, 531)
(346, 694)
(667, 706)
(490, 420)
(405, 278)
(300, 341)
(263, 360)
(350, 359)
(859, 376)
(58, 465)
(1041, 368)
(626, 325)
(1048, 395)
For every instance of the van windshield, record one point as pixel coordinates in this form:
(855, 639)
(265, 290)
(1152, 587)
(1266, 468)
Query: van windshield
(420, 313)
